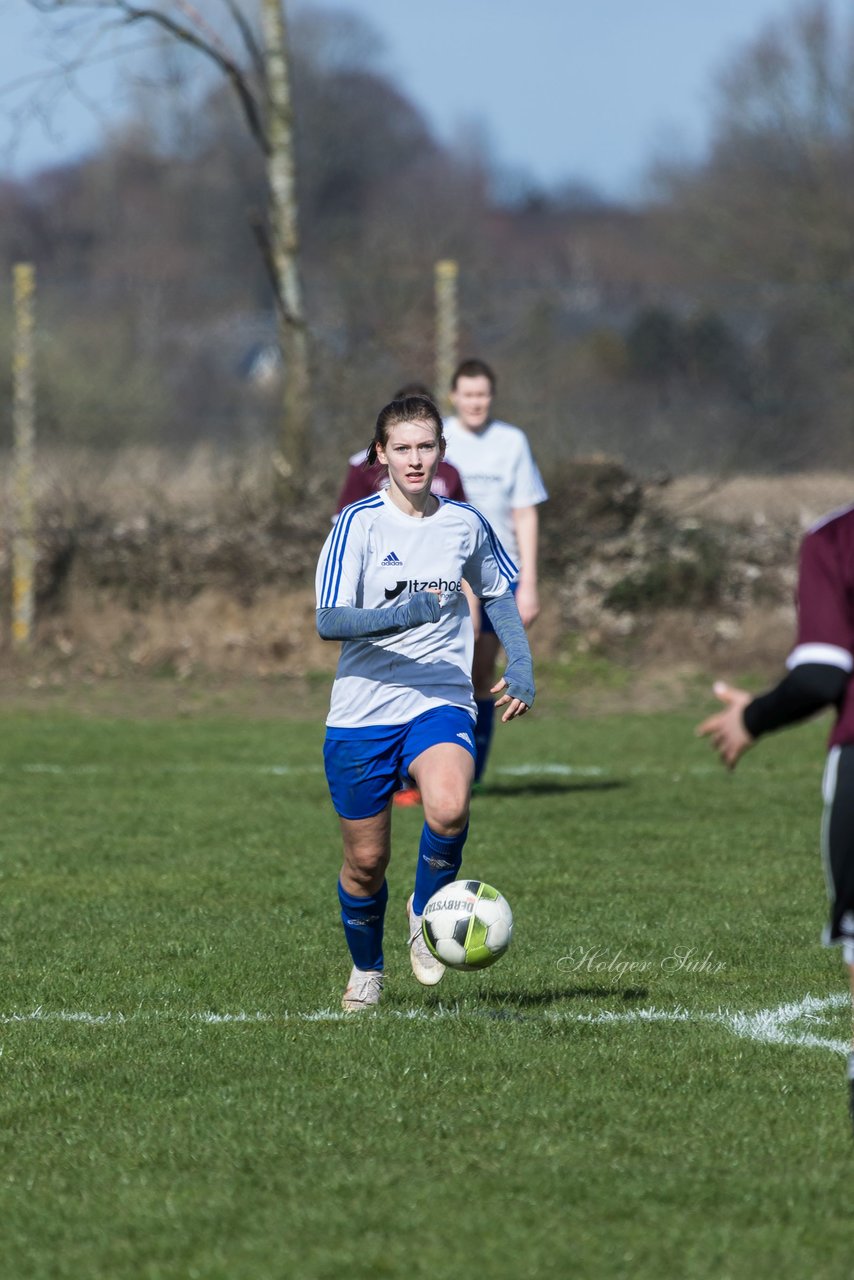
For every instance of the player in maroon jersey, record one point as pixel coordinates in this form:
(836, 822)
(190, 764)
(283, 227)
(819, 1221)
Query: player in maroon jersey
(819, 675)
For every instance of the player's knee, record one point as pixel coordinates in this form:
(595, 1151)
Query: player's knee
(367, 869)
(448, 818)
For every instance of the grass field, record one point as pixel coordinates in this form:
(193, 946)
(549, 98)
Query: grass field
(640, 1088)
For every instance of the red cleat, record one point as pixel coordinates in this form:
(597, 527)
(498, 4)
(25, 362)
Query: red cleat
(407, 797)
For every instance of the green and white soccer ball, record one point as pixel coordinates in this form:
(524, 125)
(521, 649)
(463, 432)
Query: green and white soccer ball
(467, 925)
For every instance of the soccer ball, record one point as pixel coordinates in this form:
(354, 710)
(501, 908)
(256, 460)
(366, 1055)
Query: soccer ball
(467, 925)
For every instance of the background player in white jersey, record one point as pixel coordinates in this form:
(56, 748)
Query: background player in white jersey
(389, 585)
(819, 675)
(501, 480)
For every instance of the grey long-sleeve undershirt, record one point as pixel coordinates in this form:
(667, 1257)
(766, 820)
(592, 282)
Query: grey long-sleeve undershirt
(345, 622)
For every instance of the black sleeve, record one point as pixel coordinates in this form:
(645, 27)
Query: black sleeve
(805, 690)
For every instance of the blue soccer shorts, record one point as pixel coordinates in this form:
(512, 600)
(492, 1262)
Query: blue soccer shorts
(486, 627)
(363, 766)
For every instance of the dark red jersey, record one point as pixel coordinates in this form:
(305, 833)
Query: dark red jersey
(825, 601)
(361, 481)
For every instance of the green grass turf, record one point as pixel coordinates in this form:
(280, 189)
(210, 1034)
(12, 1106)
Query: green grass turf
(155, 871)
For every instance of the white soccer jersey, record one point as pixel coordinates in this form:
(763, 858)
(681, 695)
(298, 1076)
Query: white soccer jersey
(376, 557)
(498, 471)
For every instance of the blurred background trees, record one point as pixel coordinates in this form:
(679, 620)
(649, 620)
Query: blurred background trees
(709, 328)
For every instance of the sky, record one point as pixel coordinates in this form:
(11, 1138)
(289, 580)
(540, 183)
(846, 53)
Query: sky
(588, 91)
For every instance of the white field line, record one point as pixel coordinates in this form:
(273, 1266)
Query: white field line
(540, 769)
(79, 770)
(545, 769)
(765, 1026)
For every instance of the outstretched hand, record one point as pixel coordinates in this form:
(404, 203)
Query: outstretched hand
(726, 728)
(515, 706)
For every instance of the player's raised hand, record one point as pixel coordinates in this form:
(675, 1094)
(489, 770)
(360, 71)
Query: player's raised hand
(726, 728)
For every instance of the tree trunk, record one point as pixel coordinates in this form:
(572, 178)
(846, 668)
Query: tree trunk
(291, 459)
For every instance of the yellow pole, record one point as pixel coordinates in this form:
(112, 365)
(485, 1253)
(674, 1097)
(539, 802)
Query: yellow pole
(446, 274)
(23, 466)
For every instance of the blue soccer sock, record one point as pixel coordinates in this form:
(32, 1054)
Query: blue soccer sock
(439, 862)
(363, 920)
(482, 734)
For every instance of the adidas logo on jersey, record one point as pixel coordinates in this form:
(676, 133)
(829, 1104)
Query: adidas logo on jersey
(392, 559)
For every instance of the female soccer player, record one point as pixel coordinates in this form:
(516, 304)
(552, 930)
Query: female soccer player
(364, 478)
(389, 585)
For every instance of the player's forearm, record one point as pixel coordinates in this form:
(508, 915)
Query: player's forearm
(471, 598)
(519, 672)
(346, 622)
(806, 689)
(526, 522)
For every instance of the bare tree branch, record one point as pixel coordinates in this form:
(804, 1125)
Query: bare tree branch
(202, 39)
(279, 240)
(206, 31)
(250, 43)
(268, 257)
(51, 84)
(217, 55)
(81, 63)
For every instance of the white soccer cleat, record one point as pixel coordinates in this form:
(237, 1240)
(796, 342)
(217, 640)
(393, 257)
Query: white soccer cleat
(363, 990)
(427, 969)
